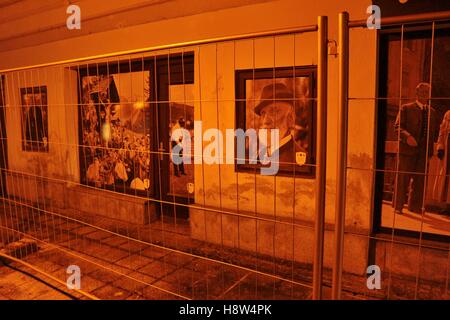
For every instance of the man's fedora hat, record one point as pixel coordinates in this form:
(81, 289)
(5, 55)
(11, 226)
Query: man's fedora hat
(274, 92)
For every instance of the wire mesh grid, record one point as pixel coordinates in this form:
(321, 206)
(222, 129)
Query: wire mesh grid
(409, 234)
(90, 181)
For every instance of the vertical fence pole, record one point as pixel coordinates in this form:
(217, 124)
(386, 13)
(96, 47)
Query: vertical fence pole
(343, 54)
(322, 73)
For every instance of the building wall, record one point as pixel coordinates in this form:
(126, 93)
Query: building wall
(218, 186)
(60, 164)
(279, 198)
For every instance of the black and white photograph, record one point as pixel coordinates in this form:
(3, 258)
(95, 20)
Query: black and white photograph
(181, 114)
(115, 136)
(280, 99)
(416, 116)
(34, 119)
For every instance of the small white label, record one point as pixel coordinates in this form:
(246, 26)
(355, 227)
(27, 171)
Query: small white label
(74, 280)
(190, 187)
(374, 279)
(300, 158)
(374, 20)
(74, 20)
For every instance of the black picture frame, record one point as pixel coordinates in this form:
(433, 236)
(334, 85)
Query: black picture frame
(385, 115)
(280, 75)
(156, 117)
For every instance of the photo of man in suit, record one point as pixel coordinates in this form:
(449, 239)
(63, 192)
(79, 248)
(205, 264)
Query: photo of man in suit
(416, 127)
(276, 110)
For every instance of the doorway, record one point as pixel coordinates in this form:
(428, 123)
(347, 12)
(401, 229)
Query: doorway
(175, 110)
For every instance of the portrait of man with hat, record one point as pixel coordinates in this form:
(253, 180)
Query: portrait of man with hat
(276, 110)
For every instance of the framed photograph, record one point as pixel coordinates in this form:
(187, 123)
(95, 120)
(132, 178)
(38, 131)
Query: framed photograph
(283, 99)
(34, 119)
(114, 127)
(181, 115)
(413, 133)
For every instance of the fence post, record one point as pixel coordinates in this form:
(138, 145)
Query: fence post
(322, 73)
(343, 55)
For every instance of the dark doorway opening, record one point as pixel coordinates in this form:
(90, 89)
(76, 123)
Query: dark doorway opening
(175, 110)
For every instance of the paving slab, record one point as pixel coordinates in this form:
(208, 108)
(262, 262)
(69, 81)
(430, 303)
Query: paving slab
(109, 292)
(134, 262)
(158, 269)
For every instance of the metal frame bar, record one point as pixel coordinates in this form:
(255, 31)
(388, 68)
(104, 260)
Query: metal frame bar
(343, 51)
(322, 80)
(410, 18)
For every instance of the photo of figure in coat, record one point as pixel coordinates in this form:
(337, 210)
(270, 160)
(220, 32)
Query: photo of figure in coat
(34, 119)
(181, 114)
(413, 114)
(276, 109)
(416, 126)
(282, 99)
(441, 188)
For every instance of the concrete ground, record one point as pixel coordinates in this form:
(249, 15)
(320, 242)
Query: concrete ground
(117, 269)
(116, 266)
(161, 261)
(16, 285)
